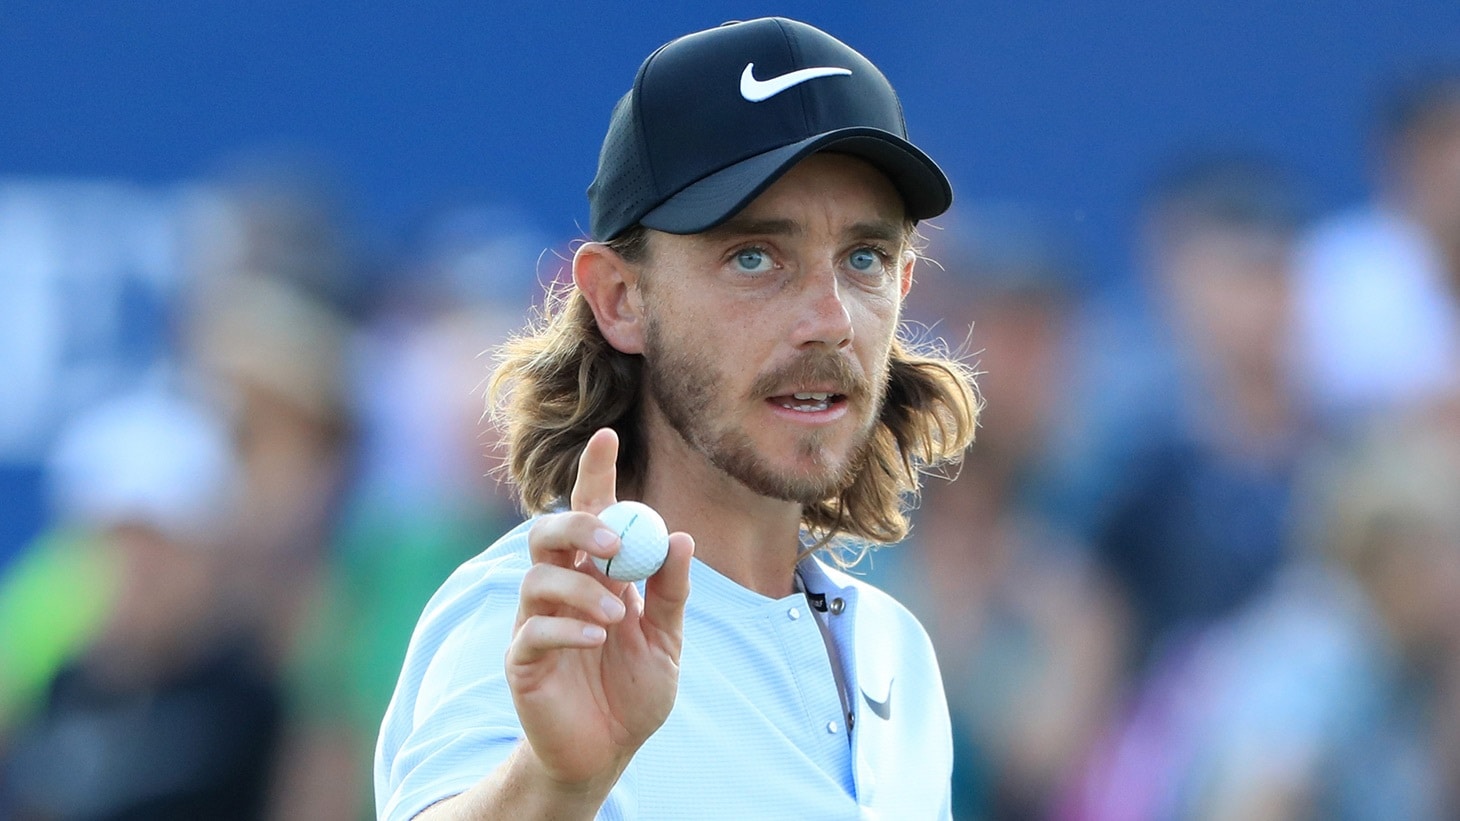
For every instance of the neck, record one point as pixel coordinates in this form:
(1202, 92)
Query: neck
(751, 539)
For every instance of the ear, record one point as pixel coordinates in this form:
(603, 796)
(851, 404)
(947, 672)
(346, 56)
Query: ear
(909, 259)
(611, 286)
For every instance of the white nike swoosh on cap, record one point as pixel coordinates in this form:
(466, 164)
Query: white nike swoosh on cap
(757, 90)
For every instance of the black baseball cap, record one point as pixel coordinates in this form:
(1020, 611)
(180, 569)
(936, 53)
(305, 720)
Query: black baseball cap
(715, 117)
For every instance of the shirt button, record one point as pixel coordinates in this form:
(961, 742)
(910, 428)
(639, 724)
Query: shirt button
(831, 727)
(794, 613)
(837, 606)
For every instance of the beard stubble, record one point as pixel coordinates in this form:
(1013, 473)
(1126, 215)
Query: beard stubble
(687, 388)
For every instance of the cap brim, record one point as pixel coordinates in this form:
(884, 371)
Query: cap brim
(710, 201)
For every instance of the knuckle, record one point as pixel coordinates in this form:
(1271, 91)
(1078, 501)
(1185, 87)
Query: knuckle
(537, 630)
(535, 578)
(580, 523)
(554, 532)
(542, 529)
(526, 629)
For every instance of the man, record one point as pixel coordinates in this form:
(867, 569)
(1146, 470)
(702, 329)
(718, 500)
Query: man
(728, 353)
(1198, 521)
(139, 698)
(1377, 293)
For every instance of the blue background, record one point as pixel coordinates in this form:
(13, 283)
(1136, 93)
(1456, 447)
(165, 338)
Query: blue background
(1069, 106)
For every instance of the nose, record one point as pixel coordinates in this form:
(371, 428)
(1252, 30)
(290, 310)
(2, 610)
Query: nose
(824, 318)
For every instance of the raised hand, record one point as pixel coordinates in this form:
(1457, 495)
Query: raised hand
(593, 666)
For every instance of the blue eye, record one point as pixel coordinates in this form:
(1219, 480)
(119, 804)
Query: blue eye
(753, 260)
(864, 260)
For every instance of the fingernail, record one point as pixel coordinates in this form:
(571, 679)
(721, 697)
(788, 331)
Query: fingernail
(593, 632)
(605, 537)
(612, 607)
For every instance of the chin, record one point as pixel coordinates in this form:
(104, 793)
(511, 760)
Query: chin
(814, 474)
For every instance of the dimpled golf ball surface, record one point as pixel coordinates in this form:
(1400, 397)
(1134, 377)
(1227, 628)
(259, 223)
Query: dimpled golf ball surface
(644, 541)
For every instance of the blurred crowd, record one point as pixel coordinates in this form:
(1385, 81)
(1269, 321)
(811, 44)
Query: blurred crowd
(1203, 561)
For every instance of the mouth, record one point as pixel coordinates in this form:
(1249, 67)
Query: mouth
(809, 401)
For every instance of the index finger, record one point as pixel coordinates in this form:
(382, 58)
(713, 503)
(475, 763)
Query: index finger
(595, 488)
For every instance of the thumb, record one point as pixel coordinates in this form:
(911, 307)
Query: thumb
(666, 592)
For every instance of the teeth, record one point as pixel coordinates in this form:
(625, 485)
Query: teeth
(816, 397)
(805, 402)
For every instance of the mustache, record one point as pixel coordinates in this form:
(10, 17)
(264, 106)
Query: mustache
(814, 368)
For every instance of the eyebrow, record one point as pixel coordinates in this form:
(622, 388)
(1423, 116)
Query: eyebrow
(880, 230)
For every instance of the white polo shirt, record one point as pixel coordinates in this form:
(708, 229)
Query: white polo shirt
(758, 728)
(1378, 325)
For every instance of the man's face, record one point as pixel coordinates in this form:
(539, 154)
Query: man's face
(1432, 167)
(1229, 289)
(767, 338)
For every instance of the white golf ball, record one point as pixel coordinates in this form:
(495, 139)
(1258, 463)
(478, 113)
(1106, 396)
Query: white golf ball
(644, 541)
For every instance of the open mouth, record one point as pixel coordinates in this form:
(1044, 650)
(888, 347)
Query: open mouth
(809, 401)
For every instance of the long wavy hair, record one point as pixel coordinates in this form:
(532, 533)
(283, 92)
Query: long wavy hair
(559, 381)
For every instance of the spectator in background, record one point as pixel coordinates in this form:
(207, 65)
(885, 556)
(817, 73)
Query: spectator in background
(90, 279)
(275, 298)
(1337, 696)
(262, 296)
(1379, 288)
(1028, 635)
(1196, 522)
(268, 326)
(158, 709)
(423, 503)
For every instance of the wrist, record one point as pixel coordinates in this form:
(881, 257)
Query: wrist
(528, 770)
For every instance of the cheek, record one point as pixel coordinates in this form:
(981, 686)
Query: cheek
(711, 333)
(874, 320)
(705, 338)
(732, 329)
